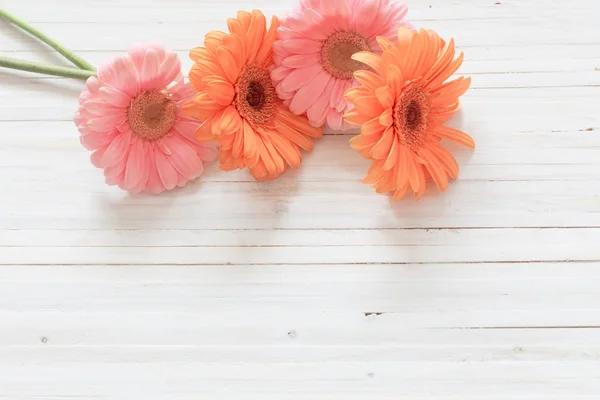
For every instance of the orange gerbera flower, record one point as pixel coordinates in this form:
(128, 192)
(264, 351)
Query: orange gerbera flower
(238, 103)
(401, 105)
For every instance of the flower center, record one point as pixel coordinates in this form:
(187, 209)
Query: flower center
(256, 98)
(410, 116)
(152, 114)
(337, 51)
(256, 95)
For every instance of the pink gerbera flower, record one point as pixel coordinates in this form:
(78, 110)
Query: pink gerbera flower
(130, 116)
(314, 52)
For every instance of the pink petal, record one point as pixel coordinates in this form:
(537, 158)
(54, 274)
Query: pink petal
(279, 48)
(168, 70)
(184, 159)
(334, 120)
(134, 169)
(144, 171)
(366, 15)
(300, 77)
(114, 96)
(154, 184)
(309, 94)
(149, 69)
(127, 76)
(166, 172)
(117, 150)
(302, 46)
(102, 107)
(97, 140)
(317, 113)
(116, 170)
(280, 73)
(106, 122)
(300, 61)
(96, 157)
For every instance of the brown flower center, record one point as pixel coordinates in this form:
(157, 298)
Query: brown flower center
(256, 95)
(256, 98)
(152, 114)
(337, 51)
(410, 116)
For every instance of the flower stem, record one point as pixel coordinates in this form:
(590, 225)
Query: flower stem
(68, 54)
(45, 68)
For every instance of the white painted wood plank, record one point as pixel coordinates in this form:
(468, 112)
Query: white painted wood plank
(299, 247)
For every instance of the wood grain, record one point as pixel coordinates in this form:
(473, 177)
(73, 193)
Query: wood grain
(311, 287)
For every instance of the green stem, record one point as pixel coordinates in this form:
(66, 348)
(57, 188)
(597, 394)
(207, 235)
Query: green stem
(45, 68)
(68, 54)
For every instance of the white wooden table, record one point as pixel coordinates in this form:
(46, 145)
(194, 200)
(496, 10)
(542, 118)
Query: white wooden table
(312, 286)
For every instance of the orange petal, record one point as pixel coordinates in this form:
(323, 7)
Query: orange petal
(238, 143)
(204, 131)
(200, 54)
(413, 173)
(361, 142)
(369, 59)
(202, 107)
(450, 91)
(259, 171)
(256, 33)
(354, 117)
(245, 19)
(370, 79)
(356, 92)
(445, 73)
(383, 147)
(447, 160)
(390, 162)
(250, 141)
(386, 44)
(422, 181)
(385, 184)
(387, 117)
(375, 172)
(237, 46)
(373, 127)
(436, 170)
(266, 47)
(235, 26)
(442, 62)
(413, 56)
(213, 39)
(229, 63)
(290, 133)
(230, 121)
(442, 114)
(405, 36)
(455, 135)
(368, 105)
(300, 123)
(221, 91)
(400, 193)
(385, 96)
(401, 173)
(394, 79)
(290, 153)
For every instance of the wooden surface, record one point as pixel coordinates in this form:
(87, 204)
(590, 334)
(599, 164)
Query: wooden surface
(312, 286)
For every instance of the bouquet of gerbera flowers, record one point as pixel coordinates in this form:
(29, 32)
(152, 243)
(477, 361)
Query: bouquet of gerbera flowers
(260, 94)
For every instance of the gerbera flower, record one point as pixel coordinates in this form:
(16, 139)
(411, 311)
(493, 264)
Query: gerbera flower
(130, 116)
(314, 52)
(238, 103)
(401, 106)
